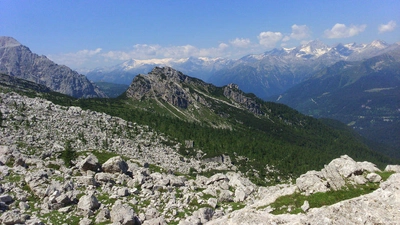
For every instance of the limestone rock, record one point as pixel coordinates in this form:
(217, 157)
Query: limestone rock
(373, 177)
(212, 202)
(89, 163)
(217, 177)
(103, 215)
(151, 213)
(368, 166)
(13, 217)
(393, 168)
(346, 166)
(88, 202)
(240, 195)
(312, 181)
(123, 214)
(115, 165)
(155, 221)
(305, 206)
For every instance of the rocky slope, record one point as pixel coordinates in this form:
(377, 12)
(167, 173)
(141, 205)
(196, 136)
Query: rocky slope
(179, 90)
(63, 165)
(17, 60)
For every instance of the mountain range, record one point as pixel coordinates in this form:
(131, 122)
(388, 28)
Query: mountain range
(17, 60)
(265, 75)
(363, 94)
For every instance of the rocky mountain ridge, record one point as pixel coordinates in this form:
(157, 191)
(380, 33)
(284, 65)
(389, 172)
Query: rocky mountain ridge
(17, 60)
(182, 91)
(124, 173)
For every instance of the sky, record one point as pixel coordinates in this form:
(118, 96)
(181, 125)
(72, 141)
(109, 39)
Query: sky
(99, 33)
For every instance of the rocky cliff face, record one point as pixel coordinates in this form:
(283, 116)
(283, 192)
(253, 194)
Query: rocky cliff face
(124, 173)
(180, 90)
(17, 60)
(164, 83)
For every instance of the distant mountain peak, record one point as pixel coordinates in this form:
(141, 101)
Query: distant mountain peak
(18, 61)
(379, 44)
(6, 42)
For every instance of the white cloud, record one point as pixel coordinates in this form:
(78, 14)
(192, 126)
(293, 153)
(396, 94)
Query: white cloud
(387, 27)
(269, 39)
(76, 58)
(342, 31)
(286, 38)
(145, 51)
(300, 32)
(240, 42)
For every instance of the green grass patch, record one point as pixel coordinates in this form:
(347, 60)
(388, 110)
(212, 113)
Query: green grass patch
(55, 217)
(105, 199)
(296, 200)
(385, 174)
(103, 156)
(237, 205)
(154, 168)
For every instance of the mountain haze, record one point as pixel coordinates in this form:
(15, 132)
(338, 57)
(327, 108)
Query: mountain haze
(267, 74)
(363, 94)
(17, 60)
(275, 71)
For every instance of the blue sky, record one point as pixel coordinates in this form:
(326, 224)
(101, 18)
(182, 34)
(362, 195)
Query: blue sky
(97, 33)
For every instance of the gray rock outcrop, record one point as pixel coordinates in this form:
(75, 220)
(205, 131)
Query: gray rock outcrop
(17, 60)
(115, 165)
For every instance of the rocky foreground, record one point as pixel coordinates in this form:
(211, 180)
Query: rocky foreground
(124, 173)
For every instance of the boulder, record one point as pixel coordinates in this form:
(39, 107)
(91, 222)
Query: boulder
(88, 202)
(217, 177)
(151, 213)
(123, 214)
(122, 192)
(212, 202)
(6, 199)
(393, 168)
(368, 166)
(103, 215)
(334, 179)
(225, 196)
(346, 166)
(85, 221)
(359, 179)
(13, 217)
(311, 182)
(240, 195)
(374, 178)
(305, 206)
(115, 165)
(155, 221)
(104, 177)
(176, 181)
(200, 216)
(89, 163)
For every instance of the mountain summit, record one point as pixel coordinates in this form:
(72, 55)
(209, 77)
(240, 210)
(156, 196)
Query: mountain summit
(6, 42)
(18, 60)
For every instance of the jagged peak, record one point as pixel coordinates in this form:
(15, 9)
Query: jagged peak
(379, 44)
(6, 42)
(168, 72)
(232, 86)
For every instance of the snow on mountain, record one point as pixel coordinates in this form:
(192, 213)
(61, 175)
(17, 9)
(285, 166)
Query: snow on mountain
(204, 68)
